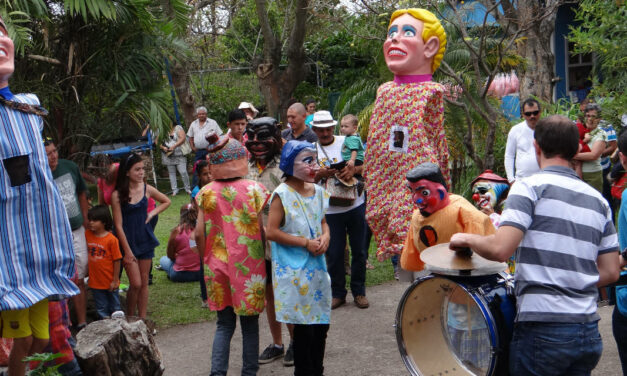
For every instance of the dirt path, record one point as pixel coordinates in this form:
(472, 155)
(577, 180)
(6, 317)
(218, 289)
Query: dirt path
(360, 342)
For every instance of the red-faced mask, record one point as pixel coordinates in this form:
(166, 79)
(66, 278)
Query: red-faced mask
(428, 196)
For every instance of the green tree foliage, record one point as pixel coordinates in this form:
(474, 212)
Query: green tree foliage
(97, 65)
(603, 31)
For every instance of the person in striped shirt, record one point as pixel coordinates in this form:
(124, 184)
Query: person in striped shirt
(565, 246)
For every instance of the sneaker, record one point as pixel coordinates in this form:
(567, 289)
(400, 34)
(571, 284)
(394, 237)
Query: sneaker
(288, 360)
(361, 302)
(271, 353)
(337, 302)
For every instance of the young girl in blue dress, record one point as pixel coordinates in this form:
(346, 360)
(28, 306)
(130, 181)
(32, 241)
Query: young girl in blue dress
(132, 227)
(299, 238)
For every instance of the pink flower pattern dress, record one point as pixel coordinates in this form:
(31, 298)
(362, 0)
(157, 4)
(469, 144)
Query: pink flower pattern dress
(406, 129)
(234, 250)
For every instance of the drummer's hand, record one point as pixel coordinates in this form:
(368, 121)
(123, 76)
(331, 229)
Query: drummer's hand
(459, 242)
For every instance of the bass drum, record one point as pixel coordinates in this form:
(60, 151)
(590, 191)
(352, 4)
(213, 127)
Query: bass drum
(452, 325)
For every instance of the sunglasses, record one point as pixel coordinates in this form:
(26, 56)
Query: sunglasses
(531, 113)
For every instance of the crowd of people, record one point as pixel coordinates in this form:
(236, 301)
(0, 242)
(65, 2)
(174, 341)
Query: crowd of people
(272, 213)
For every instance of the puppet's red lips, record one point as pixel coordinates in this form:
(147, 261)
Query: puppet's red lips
(396, 52)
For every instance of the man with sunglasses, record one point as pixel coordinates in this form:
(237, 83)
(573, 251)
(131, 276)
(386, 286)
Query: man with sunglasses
(520, 157)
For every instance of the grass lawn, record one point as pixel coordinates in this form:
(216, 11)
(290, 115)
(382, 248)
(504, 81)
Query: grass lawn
(172, 303)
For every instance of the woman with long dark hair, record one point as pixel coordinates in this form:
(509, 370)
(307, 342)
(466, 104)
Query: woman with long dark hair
(132, 227)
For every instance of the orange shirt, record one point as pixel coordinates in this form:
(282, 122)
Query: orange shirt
(102, 252)
(459, 216)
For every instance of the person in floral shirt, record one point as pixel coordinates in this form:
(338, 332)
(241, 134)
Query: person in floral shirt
(229, 228)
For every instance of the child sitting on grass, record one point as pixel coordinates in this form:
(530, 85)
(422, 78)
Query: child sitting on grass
(104, 260)
(182, 264)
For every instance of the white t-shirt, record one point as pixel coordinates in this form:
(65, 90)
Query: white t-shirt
(520, 155)
(199, 133)
(334, 151)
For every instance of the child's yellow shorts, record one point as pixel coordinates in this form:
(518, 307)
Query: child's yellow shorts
(25, 322)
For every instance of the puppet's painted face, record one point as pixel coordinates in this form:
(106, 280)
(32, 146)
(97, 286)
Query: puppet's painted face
(428, 196)
(404, 49)
(306, 165)
(7, 55)
(487, 193)
(262, 141)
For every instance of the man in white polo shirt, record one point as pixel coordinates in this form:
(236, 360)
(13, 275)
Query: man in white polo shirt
(198, 130)
(520, 157)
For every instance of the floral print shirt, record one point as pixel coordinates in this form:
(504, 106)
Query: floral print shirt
(406, 129)
(301, 283)
(234, 250)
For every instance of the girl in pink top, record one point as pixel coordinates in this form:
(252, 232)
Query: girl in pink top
(182, 264)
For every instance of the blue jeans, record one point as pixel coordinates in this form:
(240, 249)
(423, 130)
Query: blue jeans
(222, 342)
(353, 223)
(539, 348)
(106, 302)
(619, 328)
(183, 276)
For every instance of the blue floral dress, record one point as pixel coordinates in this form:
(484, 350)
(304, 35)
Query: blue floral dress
(302, 286)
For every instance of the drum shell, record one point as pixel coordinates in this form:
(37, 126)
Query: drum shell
(429, 344)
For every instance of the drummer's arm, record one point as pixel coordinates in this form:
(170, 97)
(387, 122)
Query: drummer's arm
(608, 265)
(497, 247)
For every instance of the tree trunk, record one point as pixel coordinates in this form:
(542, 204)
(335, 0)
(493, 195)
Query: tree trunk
(537, 78)
(180, 80)
(276, 84)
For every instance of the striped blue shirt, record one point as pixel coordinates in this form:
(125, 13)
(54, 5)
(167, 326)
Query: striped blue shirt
(567, 224)
(36, 254)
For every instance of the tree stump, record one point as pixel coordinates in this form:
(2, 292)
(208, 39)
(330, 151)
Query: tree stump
(115, 347)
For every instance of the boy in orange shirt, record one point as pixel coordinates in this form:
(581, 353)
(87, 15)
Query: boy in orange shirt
(104, 261)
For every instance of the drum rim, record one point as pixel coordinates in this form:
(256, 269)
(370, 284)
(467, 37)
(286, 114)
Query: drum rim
(479, 300)
(411, 367)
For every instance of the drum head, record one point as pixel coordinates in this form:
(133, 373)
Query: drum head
(442, 329)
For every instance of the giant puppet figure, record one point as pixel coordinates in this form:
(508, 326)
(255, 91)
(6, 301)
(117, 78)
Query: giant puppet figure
(36, 254)
(406, 127)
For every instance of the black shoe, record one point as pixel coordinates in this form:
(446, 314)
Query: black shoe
(271, 353)
(288, 360)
